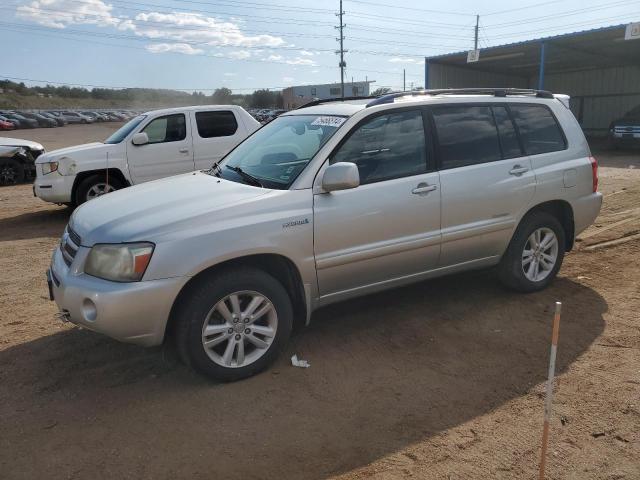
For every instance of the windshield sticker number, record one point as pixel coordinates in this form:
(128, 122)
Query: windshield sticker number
(326, 121)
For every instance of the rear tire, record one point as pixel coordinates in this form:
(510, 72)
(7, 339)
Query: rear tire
(95, 186)
(534, 255)
(215, 334)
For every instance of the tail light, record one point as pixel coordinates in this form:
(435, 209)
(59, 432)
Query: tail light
(594, 173)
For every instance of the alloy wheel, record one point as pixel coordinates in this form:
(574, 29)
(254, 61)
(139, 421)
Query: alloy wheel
(540, 254)
(239, 329)
(99, 189)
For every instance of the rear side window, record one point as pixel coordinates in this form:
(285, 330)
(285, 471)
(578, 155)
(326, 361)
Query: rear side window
(467, 135)
(387, 146)
(539, 130)
(508, 138)
(221, 123)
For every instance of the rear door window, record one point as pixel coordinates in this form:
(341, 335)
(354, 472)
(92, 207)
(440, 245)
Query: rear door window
(467, 135)
(508, 137)
(221, 123)
(387, 146)
(539, 130)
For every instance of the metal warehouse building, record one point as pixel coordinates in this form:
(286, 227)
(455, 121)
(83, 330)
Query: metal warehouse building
(599, 69)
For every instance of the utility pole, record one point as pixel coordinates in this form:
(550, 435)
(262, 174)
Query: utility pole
(342, 51)
(475, 43)
(404, 79)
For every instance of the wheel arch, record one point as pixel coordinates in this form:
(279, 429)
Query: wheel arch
(280, 267)
(563, 211)
(115, 172)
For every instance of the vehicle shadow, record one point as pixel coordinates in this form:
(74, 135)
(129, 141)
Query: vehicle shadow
(41, 223)
(386, 371)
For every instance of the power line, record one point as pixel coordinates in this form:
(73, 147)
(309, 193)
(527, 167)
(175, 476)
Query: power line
(415, 9)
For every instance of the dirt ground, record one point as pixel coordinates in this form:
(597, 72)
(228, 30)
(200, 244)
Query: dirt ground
(442, 380)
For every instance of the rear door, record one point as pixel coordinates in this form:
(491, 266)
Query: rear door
(388, 228)
(216, 132)
(168, 152)
(486, 179)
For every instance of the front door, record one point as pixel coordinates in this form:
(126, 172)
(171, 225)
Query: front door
(168, 152)
(387, 229)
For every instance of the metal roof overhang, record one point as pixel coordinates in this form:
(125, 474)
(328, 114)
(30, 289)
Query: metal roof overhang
(585, 50)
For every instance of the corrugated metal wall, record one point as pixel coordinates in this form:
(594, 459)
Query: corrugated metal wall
(598, 96)
(445, 76)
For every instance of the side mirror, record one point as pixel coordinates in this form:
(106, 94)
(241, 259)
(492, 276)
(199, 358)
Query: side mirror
(340, 176)
(140, 139)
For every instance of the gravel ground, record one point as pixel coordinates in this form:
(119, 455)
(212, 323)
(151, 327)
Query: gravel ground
(443, 379)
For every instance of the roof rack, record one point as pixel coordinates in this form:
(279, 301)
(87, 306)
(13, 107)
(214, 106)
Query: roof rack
(496, 92)
(313, 103)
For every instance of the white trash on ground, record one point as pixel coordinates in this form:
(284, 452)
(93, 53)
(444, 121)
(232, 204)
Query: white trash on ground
(299, 363)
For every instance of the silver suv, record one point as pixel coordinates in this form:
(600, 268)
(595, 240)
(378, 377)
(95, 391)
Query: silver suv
(325, 203)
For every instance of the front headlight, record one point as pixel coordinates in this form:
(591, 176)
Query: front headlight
(49, 167)
(124, 262)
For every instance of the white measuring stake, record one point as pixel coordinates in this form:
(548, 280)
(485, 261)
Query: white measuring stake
(549, 395)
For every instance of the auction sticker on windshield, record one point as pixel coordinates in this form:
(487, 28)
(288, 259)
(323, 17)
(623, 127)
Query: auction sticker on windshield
(327, 121)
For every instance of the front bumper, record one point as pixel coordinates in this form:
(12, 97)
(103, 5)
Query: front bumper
(135, 312)
(53, 187)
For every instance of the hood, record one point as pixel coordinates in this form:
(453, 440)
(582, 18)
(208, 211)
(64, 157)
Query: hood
(157, 210)
(87, 151)
(18, 142)
(9, 151)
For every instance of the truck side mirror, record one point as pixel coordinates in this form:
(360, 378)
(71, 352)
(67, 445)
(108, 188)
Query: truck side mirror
(340, 176)
(140, 139)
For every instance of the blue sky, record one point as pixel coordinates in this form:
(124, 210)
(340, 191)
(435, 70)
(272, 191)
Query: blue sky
(245, 45)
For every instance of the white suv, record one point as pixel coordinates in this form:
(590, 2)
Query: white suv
(325, 203)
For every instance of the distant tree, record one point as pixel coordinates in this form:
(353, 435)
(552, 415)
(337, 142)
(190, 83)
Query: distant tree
(381, 91)
(222, 96)
(264, 99)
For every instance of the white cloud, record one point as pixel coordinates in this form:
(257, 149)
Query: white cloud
(288, 79)
(404, 60)
(239, 54)
(274, 58)
(229, 74)
(173, 47)
(61, 13)
(306, 53)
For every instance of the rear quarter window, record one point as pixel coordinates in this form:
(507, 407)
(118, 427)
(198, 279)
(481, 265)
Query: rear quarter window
(538, 128)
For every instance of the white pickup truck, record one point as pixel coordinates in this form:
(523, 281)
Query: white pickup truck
(153, 145)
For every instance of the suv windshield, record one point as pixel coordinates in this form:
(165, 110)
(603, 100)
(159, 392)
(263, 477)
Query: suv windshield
(125, 130)
(276, 154)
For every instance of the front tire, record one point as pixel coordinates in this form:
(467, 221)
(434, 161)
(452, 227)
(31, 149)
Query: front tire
(233, 324)
(11, 172)
(96, 186)
(534, 255)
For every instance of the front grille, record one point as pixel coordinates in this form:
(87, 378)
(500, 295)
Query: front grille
(627, 129)
(69, 245)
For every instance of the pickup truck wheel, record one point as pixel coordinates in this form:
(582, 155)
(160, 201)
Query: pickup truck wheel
(233, 324)
(534, 255)
(95, 186)
(11, 172)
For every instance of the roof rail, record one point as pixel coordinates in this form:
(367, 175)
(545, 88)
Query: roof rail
(496, 92)
(313, 103)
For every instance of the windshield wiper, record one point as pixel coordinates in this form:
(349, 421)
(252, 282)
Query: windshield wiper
(250, 179)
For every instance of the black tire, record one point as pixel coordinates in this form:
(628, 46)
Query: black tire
(11, 172)
(195, 305)
(511, 271)
(85, 186)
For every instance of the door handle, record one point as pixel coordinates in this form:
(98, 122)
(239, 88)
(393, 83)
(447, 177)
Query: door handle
(184, 150)
(423, 188)
(518, 170)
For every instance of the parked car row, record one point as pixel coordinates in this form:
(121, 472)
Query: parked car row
(265, 115)
(12, 119)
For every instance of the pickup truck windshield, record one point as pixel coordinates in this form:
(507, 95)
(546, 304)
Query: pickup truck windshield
(276, 154)
(125, 130)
